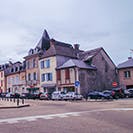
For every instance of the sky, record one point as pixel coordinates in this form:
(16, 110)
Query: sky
(90, 23)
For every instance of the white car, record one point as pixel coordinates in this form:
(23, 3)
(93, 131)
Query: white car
(72, 96)
(57, 95)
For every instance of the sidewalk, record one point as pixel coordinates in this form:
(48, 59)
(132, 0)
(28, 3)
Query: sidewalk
(11, 104)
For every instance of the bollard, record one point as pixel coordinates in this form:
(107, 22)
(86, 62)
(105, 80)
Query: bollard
(14, 99)
(22, 100)
(17, 101)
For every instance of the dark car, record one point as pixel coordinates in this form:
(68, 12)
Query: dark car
(99, 95)
(109, 92)
(119, 93)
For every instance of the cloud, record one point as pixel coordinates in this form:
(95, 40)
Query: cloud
(91, 23)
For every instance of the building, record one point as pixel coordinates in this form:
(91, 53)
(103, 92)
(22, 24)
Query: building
(125, 73)
(94, 70)
(106, 72)
(32, 61)
(15, 78)
(56, 55)
(72, 76)
(2, 77)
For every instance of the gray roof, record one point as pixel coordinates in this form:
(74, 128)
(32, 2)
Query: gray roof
(60, 48)
(126, 64)
(89, 54)
(76, 63)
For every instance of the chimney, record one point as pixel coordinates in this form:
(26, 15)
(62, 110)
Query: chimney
(52, 42)
(129, 58)
(76, 46)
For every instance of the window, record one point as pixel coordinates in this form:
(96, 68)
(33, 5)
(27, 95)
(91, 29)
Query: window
(1, 74)
(42, 64)
(34, 76)
(49, 76)
(17, 79)
(58, 75)
(43, 77)
(28, 64)
(67, 74)
(12, 70)
(127, 74)
(34, 63)
(1, 82)
(106, 67)
(47, 63)
(46, 77)
(16, 69)
(29, 77)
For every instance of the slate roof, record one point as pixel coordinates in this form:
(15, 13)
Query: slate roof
(76, 63)
(89, 54)
(60, 48)
(126, 64)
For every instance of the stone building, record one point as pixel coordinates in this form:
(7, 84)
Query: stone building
(73, 72)
(93, 69)
(125, 73)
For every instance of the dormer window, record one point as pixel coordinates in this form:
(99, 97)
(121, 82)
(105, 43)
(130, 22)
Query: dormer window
(12, 70)
(31, 51)
(16, 69)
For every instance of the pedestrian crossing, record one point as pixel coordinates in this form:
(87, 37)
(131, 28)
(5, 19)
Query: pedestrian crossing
(53, 116)
(34, 118)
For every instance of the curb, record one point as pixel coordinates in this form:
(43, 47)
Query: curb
(12, 107)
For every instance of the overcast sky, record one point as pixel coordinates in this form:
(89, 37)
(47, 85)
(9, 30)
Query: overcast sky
(90, 23)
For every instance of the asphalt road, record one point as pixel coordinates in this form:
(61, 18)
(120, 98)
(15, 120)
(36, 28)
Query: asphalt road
(69, 117)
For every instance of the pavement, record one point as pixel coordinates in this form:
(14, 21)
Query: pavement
(69, 117)
(4, 104)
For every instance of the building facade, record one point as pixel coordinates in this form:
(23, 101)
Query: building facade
(15, 78)
(125, 73)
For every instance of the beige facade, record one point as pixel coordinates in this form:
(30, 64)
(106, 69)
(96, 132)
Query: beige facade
(32, 73)
(47, 67)
(16, 82)
(126, 77)
(2, 81)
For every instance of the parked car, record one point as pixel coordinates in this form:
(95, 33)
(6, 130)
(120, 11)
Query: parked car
(131, 92)
(3, 94)
(109, 92)
(119, 93)
(72, 96)
(45, 96)
(8, 95)
(99, 95)
(57, 95)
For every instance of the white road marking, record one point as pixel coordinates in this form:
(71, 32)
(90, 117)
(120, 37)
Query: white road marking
(62, 115)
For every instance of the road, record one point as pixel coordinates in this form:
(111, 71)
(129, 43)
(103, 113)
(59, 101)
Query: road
(69, 117)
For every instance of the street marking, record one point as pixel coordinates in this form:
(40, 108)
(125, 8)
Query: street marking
(62, 115)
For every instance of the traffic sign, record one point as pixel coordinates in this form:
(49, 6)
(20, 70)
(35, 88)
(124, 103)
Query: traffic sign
(77, 83)
(114, 84)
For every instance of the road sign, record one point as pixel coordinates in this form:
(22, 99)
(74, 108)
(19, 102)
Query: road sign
(114, 84)
(77, 83)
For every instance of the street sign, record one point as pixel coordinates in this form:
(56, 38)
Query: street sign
(77, 83)
(114, 84)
